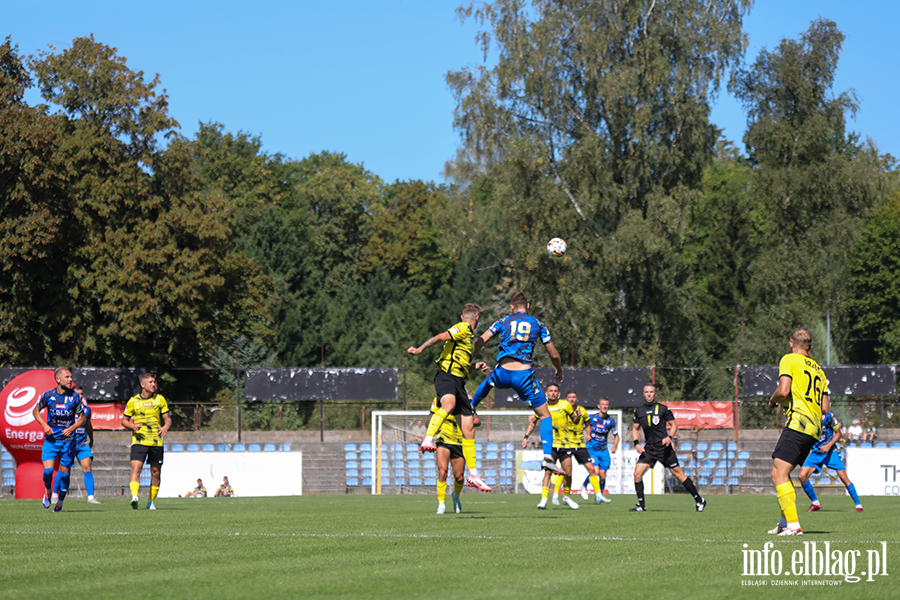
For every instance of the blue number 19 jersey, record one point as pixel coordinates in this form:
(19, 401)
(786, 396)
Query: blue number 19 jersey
(519, 333)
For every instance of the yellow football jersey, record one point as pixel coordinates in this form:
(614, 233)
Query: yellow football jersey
(457, 353)
(803, 406)
(560, 412)
(149, 412)
(576, 430)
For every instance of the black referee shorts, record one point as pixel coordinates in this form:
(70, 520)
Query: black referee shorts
(445, 383)
(793, 447)
(654, 453)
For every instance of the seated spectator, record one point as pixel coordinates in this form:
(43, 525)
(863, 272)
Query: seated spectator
(224, 489)
(855, 432)
(417, 433)
(871, 432)
(197, 492)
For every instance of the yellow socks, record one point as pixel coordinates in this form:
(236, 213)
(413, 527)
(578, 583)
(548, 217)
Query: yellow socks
(595, 481)
(442, 491)
(135, 487)
(153, 492)
(556, 482)
(545, 493)
(787, 499)
(437, 419)
(458, 487)
(468, 447)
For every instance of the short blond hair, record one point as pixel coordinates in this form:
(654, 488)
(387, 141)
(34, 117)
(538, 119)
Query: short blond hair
(801, 338)
(470, 311)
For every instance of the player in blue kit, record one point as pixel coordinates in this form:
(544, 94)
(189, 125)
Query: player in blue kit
(600, 425)
(519, 334)
(826, 454)
(84, 441)
(65, 414)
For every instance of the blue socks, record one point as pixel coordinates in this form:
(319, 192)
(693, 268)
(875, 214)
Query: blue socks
(852, 489)
(808, 488)
(48, 479)
(89, 482)
(63, 486)
(547, 435)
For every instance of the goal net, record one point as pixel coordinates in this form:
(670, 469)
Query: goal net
(395, 465)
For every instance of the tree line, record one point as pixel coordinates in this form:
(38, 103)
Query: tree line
(123, 242)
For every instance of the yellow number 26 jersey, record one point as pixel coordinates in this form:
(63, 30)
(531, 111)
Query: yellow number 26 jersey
(148, 412)
(803, 407)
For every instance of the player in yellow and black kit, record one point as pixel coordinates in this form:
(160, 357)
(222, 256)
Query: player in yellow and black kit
(574, 447)
(450, 387)
(560, 415)
(449, 453)
(803, 391)
(147, 415)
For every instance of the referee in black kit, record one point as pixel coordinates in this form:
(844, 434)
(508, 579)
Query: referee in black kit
(655, 419)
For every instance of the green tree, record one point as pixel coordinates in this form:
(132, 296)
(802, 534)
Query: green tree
(812, 180)
(873, 288)
(593, 126)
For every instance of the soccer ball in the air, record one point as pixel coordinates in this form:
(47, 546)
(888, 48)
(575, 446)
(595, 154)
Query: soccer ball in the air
(557, 246)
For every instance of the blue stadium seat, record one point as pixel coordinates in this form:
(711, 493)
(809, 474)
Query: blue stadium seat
(352, 482)
(430, 474)
(398, 465)
(351, 464)
(415, 481)
(507, 455)
(730, 455)
(702, 446)
(349, 447)
(703, 481)
(396, 455)
(706, 472)
(741, 464)
(506, 481)
(688, 471)
(412, 448)
(366, 473)
(825, 480)
(365, 456)
(399, 481)
(718, 481)
(717, 447)
(737, 472)
(396, 448)
(176, 448)
(732, 447)
(506, 473)
(414, 473)
(8, 464)
(700, 455)
(412, 456)
(254, 448)
(349, 455)
(385, 474)
(684, 458)
(865, 445)
(209, 448)
(351, 473)
(506, 464)
(743, 455)
(508, 447)
(365, 447)
(285, 447)
(490, 472)
(479, 447)
(686, 447)
(627, 447)
(491, 456)
(492, 448)
(880, 445)
(713, 455)
(269, 448)
(9, 479)
(733, 481)
(367, 482)
(145, 478)
(413, 464)
(710, 464)
(491, 481)
(721, 473)
(224, 447)
(193, 448)
(240, 448)
(895, 444)
(723, 464)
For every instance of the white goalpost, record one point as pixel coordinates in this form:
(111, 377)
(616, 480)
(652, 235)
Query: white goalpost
(397, 467)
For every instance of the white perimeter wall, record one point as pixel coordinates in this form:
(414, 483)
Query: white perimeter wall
(619, 476)
(874, 471)
(249, 473)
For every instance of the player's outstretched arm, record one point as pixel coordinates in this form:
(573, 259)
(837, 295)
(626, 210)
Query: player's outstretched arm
(444, 336)
(481, 341)
(554, 356)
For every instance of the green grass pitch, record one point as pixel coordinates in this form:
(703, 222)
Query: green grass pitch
(500, 546)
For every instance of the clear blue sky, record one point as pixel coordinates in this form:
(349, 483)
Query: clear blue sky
(367, 77)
